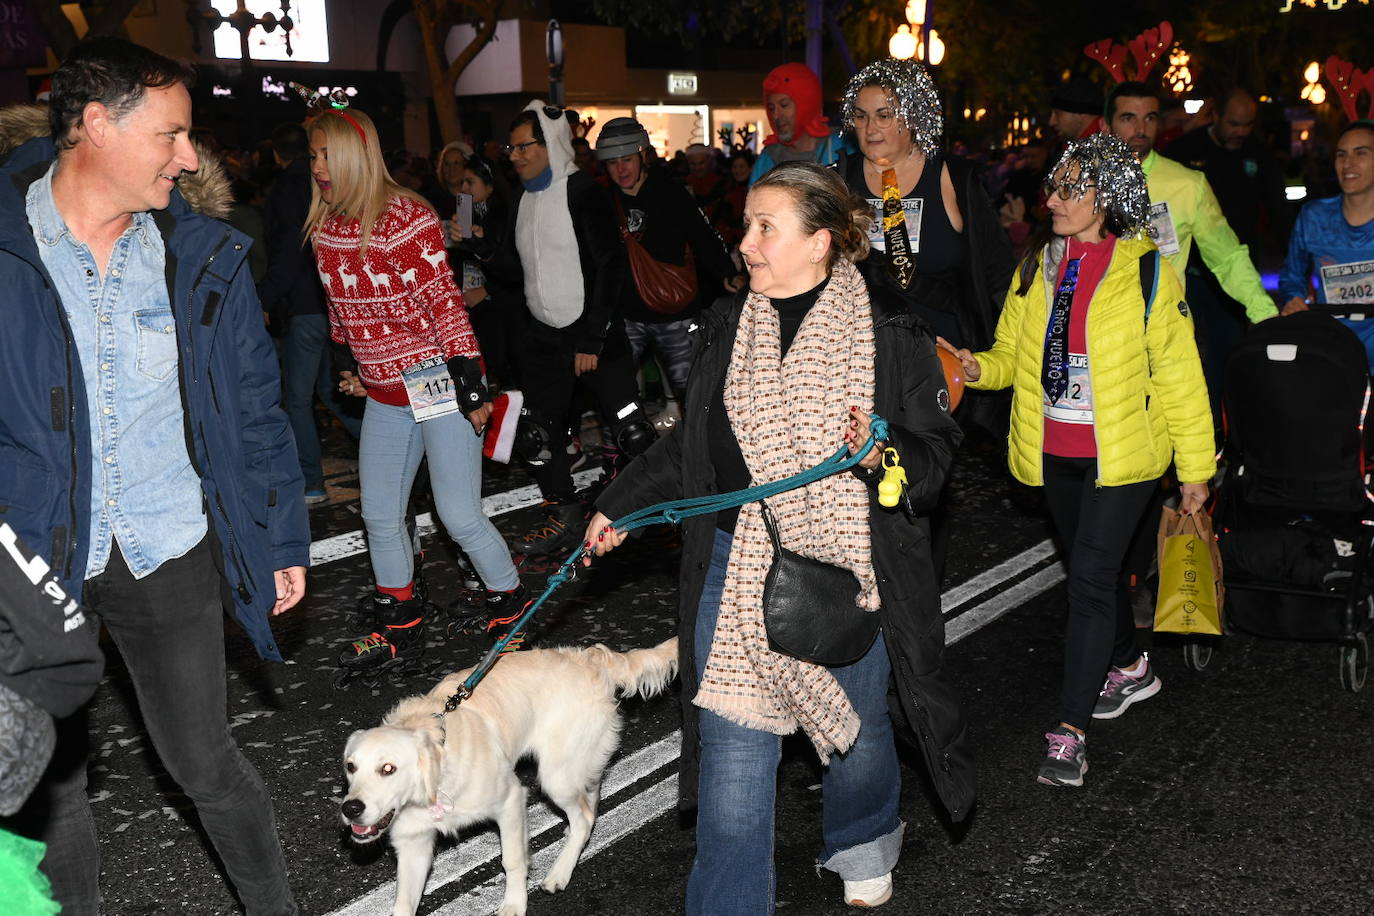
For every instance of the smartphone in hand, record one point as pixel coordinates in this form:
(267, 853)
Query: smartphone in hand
(462, 219)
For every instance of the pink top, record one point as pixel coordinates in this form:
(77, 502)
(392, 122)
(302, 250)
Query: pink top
(1069, 422)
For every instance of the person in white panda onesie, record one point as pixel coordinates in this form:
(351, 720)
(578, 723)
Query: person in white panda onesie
(564, 250)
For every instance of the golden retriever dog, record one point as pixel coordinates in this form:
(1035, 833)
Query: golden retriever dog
(420, 774)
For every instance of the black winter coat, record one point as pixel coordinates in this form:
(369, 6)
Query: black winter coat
(292, 284)
(910, 394)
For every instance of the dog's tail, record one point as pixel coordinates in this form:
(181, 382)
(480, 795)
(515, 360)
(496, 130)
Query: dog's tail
(646, 672)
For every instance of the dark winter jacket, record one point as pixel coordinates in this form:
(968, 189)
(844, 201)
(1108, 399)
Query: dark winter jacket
(237, 436)
(665, 219)
(599, 249)
(910, 393)
(977, 294)
(292, 285)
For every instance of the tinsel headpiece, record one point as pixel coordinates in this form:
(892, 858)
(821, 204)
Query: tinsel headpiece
(1107, 162)
(912, 94)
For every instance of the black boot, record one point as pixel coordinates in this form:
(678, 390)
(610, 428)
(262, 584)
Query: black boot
(564, 522)
(397, 641)
(477, 613)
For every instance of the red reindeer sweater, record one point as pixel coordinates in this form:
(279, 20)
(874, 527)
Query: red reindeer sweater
(397, 304)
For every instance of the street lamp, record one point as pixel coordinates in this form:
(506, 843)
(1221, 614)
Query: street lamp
(903, 45)
(935, 49)
(243, 21)
(1314, 91)
(554, 48)
(912, 39)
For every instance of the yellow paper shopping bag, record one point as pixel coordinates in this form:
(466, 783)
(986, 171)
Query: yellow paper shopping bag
(1190, 589)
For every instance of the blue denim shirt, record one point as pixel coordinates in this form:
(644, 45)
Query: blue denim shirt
(144, 492)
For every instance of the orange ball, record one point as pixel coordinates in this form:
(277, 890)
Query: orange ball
(954, 376)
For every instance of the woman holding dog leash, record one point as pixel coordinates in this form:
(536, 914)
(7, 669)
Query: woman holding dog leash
(393, 301)
(1097, 345)
(783, 374)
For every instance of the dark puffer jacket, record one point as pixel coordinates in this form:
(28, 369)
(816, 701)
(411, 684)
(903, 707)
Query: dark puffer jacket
(910, 394)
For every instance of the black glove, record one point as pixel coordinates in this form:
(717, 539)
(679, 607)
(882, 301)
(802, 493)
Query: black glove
(342, 359)
(467, 377)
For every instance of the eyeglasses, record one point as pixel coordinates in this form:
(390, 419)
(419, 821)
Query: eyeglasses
(882, 118)
(1067, 189)
(510, 148)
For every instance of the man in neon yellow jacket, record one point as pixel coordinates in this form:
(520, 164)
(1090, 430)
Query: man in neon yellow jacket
(1182, 205)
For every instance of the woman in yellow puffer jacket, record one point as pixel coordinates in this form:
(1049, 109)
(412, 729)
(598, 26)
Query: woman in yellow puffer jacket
(1097, 345)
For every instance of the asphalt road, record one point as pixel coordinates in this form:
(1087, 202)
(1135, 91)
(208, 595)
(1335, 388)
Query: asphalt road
(1244, 788)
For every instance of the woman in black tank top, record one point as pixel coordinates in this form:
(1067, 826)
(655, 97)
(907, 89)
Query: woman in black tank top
(947, 257)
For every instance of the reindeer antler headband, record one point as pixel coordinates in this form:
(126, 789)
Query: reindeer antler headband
(317, 103)
(1147, 48)
(1348, 82)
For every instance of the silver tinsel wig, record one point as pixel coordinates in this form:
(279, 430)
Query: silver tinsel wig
(912, 95)
(1107, 162)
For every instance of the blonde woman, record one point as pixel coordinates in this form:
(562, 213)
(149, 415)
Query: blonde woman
(380, 252)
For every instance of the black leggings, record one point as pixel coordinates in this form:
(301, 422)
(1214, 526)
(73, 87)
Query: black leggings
(1095, 525)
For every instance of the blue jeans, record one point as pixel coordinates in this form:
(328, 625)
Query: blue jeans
(308, 369)
(169, 628)
(862, 834)
(388, 458)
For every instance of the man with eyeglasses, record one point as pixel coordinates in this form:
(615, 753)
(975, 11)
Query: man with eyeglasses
(564, 249)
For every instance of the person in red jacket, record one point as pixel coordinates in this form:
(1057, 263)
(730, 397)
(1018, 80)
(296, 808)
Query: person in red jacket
(392, 299)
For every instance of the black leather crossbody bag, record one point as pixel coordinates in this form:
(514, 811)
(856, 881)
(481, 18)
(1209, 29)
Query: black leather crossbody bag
(809, 608)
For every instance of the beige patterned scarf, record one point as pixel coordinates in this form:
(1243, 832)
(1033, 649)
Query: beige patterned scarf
(788, 415)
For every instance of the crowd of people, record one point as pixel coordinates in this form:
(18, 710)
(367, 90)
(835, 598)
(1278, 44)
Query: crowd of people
(162, 449)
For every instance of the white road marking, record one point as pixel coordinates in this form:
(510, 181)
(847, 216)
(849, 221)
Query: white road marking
(1000, 573)
(979, 616)
(352, 543)
(610, 828)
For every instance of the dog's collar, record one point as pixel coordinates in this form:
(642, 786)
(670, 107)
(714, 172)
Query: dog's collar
(441, 806)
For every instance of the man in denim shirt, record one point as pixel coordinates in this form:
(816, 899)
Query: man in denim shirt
(145, 444)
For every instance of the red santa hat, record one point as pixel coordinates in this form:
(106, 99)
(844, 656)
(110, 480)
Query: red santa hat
(797, 82)
(500, 434)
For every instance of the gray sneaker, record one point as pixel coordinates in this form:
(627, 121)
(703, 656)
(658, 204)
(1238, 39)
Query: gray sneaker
(1122, 689)
(1066, 758)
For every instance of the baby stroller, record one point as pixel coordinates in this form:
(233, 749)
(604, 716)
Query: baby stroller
(1294, 509)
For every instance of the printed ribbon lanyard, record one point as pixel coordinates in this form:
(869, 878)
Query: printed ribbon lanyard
(900, 265)
(1054, 370)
